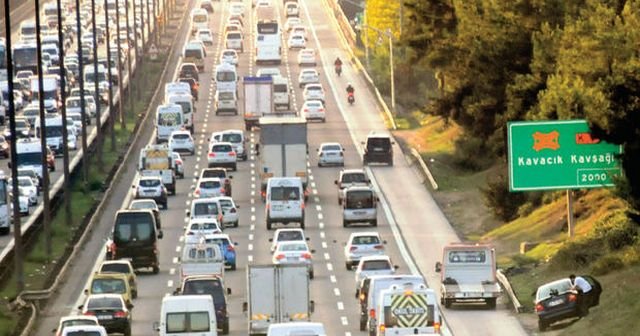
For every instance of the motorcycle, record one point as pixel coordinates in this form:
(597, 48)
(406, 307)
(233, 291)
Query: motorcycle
(338, 70)
(351, 98)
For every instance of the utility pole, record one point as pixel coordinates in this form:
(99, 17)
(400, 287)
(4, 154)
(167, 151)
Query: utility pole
(112, 114)
(65, 132)
(123, 124)
(129, 72)
(97, 89)
(391, 70)
(83, 109)
(18, 251)
(46, 214)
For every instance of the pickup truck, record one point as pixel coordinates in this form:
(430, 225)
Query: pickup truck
(200, 258)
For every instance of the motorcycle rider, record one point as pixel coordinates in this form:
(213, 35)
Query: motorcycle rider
(338, 65)
(350, 93)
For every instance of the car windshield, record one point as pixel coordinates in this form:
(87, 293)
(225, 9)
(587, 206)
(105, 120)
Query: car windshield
(221, 148)
(133, 226)
(365, 240)
(150, 183)
(108, 302)
(232, 137)
(195, 53)
(285, 193)
(204, 226)
(210, 184)
(554, 288)
(292, 247)
(187, 322)
(376, 265)
(234, 36)
(78, 322)
(32, 158)
(222, 242)
(25, 182)
(361, 199)
(115, 286)
(378, 143)
(331, 148)
(226, 204)
(116, 268)
(354, 178)
(205, 209)
(83, 333)
(229, 53)
(214, 173)
(181, 136)
(290, 235)
(143, 205)
(211, 287)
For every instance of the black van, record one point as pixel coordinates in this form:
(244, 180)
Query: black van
(135, 237)
(378, 149)
(214, 286)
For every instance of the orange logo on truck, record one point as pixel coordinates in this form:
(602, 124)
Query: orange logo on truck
(546, 141)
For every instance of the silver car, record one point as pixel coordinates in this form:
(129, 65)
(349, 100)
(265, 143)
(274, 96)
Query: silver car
(362, 244)
(330, 153)
(294, 252)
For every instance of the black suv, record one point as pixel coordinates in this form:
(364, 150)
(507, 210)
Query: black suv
(378, 149)
(135, 237)
(214, 286)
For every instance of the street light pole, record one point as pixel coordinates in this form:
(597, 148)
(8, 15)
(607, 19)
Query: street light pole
(83, 110)
(112, 113)
(65, 139)
(393, 80)
(97, 88)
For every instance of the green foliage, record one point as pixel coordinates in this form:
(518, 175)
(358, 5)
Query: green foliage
(616, 231)
(497, 197)
(606, 264)
(577, 254)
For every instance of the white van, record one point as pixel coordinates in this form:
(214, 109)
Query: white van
(281, 93)
(169, 118)
(185, 101)
(408, 310)
(226, 78)
(297, 328)
(199, 19)
(359, 206)
(233, 40)
(187, 315)
(284, 201)
(377, 284)
(194, 52)
(28, 31)
(226, 101)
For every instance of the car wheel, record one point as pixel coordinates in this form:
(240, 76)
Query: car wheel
(156, 269)
(225, 328)
(491, 303)
(344, 223)
(347, 265)
(447, 303)
(165, 205)
(339, 201)
(311, 275)
(543, 325)
(302, 224)
(233, 267)
(53, 168)
(134, 294)
(235, 225)
(127, 332)
(374, 223)
(235, 167)
(268, 225)
(363, 324)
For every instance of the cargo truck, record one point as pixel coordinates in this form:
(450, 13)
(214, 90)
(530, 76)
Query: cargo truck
(468, 273)
(156, 160)
(276, 294)
(201, 259)
(258, 99)
(282, 150)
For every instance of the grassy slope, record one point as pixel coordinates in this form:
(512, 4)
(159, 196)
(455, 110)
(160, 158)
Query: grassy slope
(462, 203)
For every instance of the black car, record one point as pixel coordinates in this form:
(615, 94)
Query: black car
(378, 149)
(111, 311)
(214, 286)
(557, 300)
(135, 237)
(189, 70)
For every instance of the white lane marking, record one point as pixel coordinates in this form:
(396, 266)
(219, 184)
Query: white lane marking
(347, 334)
(316, 199)
(170, 283)
(320, 217)
(327, 256)
(253, 201)
(314, 191)
(178, 248)
(181, 239)
(175, 260)
(324, 245)
(172, 271)
(252, 227)
(253, 165)
(329, 267)
(198, 159)
(322, 234)
(253, 178)
(253, 209)
(250, 247)
(336, 291)
(321, 225)
(313, 184)
(250, 258)
(340, 305)
(344, 320)
(333, 278)
(251, 236)
(318, 208)
(253, 218)
(253, 193)
(311, 177)
(253, 185)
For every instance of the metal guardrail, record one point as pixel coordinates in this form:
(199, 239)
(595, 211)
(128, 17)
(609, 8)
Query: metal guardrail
(425, 168)
(506, 285)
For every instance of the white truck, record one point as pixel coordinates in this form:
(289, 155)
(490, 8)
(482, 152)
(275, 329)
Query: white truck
(276, 294)
(468, 273)
(201, 259)
(258, 99)
(184, 314)
(281, 94)
(50, 91)
(408, 310)
(168, 119)
(156, 160)
(53, 132)
(283, 149)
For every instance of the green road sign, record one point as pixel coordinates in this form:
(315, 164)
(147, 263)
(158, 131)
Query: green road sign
(559, 155)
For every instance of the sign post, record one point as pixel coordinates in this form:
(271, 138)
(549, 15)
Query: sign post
(562, 154)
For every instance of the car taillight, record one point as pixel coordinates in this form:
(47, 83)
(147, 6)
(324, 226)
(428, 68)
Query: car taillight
(379, 247)
(306, 110)
(222, 190)
(280, 257)
(197, 192)
(302, 205)
(232, 153)
(573, 298)
(353, 248)
(230, 248)
(179, 162)
(372, 313)
(268, 206)
(539, 307)
(321, 154)
(362, 297)
(190, 233)
(306, 256)
(211, 154)
(341, 154)
(120, 314)
(89, 313)
(436, 327)
(382, 328)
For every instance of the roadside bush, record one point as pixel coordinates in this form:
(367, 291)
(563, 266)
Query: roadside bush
(616, 231)
(472, 153)
(521, 260)
(577, 254)
(497, 197)
(607, 264)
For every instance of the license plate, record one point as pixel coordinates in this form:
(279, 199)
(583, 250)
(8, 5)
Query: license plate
(359, 212)
(555, 302)
(105, 317)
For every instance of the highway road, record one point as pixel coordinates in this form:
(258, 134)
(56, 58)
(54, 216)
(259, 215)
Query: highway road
(412, 224)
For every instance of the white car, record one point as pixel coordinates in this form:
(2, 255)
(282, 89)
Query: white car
(199, 227)
(234, 137)
(233, 40)
(308, 76)
(230, 215)
(236, 8)
(313, 91)
(313, 110)
(330, 153)
(229, 56)
(374, 265)
(27, 188)
(292, 22)
(299, 30)
(307, 56)
(205, 36)
(296, 41)
(348, 178)
(151, 187)
(72, 139)
(282, 235)
(76, 117)
(23, 200)
(268, 72)
(178, 164)
(294, 252)
(75, 320)
(32, 174)
(209, 187)
(181, 142)
(222, 154)
(362, 244)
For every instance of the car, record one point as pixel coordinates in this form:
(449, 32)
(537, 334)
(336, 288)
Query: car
(111, 311)
(226, 245)
(75, 321)
(208, 207)
(330, 153)
(348, 178)
(230, 214)
(220, 173)
(292, 22)
(205, 36)
(85, 330)
(233, 40)
(378, 148)
(151, 187)
(206, 5)
(296, 41)
(182, 142)
(147, 204)
(313, 92)
(313, 110)
(23, 202)
(235, 20)
(282, 235)
(236, 9)
(262, 3)
(189, 70)
(178, 166)
(294, 252)
(268, 72)
(76, 117)
(235, 137)
(212, 285)
(557, 300)
(199, 227)
(208, 187)
(299, 30)
(307, 56)
(229, 56)
(28, 188)
(374, 265)
(362, 244)
(193, 84)
(121, 266)
(31, 173)
(308, 76)
(232, 27)
(292, 9)
(222, 154)
(5, 149)
(111, 283)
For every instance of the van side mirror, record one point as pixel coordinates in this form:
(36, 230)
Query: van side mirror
(312, 306)
(245, 307)
(9, 164)
(335, 182)
(271, 240)
(177, 291)
(86, 292)
(188, 213)
(384, 241)
(362, 142)
(307, 238)
(160, 234)
(438, 267)
(313, 251)
(156, 326)
(80, 307)
(228, 291)
(129, 305)
(396, 267)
